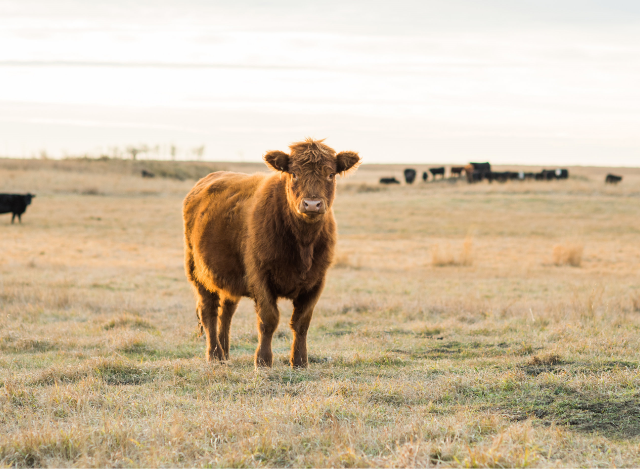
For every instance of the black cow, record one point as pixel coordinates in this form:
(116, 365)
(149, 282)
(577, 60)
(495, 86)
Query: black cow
(548, 174)
(15, 204)
(436, 171)
(481, 166)
(425, 176)
(503, 176)
(612, 179)
(562, 173)
(147, 174)
(389, 181)
(409, 175)
(478, 171)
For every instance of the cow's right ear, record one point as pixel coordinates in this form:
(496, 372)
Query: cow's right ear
(277, 160)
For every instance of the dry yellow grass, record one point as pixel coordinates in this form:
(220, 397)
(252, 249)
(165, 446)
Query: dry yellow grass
(570, 254)
(444, 256)
(506, 360)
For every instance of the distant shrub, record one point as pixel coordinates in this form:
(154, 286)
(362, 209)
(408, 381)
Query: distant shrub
(364, 187)
(570, 254)
(91, 191)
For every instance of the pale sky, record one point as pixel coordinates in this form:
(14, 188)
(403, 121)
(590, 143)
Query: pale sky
(530, 82)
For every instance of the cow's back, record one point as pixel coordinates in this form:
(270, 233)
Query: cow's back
(215, 214)
(6, 203)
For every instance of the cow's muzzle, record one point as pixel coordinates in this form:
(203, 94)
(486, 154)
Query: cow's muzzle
(312, 206)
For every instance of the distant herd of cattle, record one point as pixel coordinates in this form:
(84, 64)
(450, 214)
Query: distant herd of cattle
(16, 204)
(476, 172)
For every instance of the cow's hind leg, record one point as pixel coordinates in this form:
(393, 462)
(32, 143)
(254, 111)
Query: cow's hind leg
(207, 308)
(227, 309)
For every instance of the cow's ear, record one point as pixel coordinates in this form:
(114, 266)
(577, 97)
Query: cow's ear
(347, 162)
(277, 160)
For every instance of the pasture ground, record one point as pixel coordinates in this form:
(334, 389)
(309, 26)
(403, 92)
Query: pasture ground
(447, 335)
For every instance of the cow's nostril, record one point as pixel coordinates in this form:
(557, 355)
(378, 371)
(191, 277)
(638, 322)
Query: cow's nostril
(311, 205)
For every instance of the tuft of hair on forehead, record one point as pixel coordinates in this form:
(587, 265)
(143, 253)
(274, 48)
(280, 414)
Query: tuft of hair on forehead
(311, 151)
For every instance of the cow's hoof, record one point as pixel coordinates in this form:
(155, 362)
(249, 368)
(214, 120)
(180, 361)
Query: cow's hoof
(299, 364)
(263, 361)
(216, 355)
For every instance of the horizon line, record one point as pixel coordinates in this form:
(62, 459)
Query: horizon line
(364, 163)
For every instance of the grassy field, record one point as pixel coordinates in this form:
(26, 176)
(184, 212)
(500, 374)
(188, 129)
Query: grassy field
(454, 329)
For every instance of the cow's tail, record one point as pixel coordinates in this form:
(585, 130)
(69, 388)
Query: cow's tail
(189, 268)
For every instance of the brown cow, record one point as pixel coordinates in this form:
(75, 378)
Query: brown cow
(264, 236)
(457, 171)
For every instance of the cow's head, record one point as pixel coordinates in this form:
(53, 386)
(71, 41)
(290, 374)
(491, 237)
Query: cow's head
(28, 198)
(309, 174)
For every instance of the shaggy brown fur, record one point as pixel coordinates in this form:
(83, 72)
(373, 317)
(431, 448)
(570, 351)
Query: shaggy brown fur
(264, 237)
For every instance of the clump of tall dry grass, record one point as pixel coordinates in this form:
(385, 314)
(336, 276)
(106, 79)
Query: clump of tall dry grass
(128, 320)
(444, 256)
(545, 359)
(345, 260)
(568, 254)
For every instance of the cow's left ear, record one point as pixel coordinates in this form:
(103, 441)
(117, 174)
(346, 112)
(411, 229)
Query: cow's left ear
(277, 160)
(347, 162)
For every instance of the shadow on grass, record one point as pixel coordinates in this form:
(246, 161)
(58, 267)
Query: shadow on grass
(115, 371)
(617, 417)
(464, 350)
(577, 367)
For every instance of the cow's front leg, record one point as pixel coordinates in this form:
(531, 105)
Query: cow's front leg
(302, 312)
(268, 318)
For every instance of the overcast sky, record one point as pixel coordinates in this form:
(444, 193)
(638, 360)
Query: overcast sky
(534, 82)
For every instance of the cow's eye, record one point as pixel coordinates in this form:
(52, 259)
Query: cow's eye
(293, 175)
(331, 176)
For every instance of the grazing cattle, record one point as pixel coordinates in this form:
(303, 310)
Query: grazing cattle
(612, 179)
(409, 175)
(486, 167)
(559, 173)
(16, 204)
(425, 176)
(457, 171)
(392, 180)
(264, 236)
(478, 171)
(147, 174)
(503, 176)
(436, 171)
